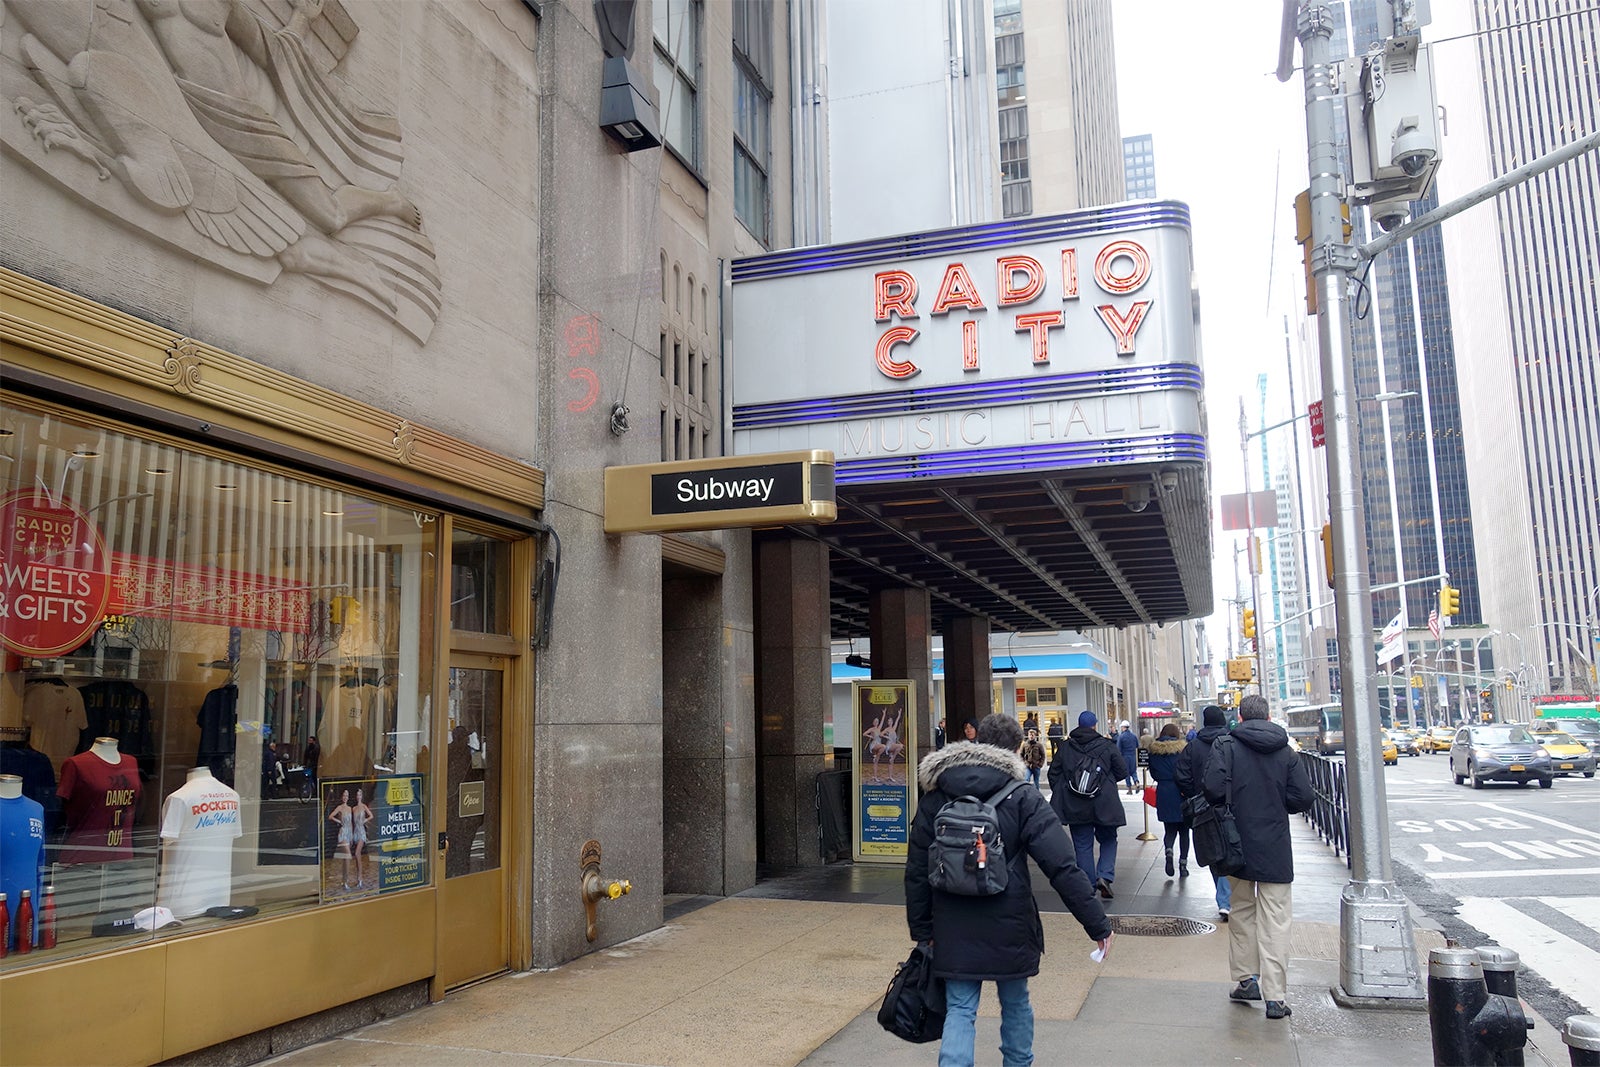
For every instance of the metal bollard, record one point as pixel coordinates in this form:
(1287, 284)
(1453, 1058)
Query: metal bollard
(1582, 1036)
(1470, 1026)
(1500, 976)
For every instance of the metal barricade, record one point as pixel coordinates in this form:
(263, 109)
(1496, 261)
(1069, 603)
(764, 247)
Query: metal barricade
(1330, 813)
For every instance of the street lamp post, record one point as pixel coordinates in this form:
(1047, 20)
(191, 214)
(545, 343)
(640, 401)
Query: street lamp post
(1477, 668)
(1378, 960)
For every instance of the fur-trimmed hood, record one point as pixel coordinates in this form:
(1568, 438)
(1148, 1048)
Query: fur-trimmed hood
(963, 754)
(1169, 747)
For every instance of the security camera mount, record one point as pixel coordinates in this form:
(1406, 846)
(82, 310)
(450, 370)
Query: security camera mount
(1393, 121)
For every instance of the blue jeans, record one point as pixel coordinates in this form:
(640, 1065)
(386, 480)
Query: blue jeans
(1224, 892)
(958, 1046)
(1084, 835)
(1033, 776)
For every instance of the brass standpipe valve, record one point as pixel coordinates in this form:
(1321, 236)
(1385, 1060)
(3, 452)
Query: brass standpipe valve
(596, 888)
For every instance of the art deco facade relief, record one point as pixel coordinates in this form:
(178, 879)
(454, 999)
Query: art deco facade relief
(306, 182)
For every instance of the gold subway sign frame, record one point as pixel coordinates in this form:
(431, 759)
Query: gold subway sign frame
(771, 489)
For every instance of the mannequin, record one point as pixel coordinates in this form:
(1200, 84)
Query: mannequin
(21, 847)
(101, 792)
(199, 824)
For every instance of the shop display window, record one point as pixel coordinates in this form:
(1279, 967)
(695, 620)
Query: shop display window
(216, 693)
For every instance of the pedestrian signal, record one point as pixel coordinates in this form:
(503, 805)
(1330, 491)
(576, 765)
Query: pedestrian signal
(1327, 552)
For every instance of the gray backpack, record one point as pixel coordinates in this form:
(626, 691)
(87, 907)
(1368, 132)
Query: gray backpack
(967, 856)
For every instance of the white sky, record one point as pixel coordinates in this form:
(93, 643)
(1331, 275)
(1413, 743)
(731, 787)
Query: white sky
(1229, 141)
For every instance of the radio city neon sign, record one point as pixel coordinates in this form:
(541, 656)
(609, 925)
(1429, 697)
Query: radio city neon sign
(1121, 269)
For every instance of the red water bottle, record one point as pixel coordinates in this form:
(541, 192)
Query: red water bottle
(47, 919)
(5, 927)
(25, 923)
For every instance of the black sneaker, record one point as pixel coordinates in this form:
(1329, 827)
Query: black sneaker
(1249, 989)
(1278, 1009)
(1104, 888)
(1223, 913)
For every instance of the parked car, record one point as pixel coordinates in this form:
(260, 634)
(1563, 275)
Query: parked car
(1567, 754)
(1501, 753)
(1440, 738)
(1407, 741)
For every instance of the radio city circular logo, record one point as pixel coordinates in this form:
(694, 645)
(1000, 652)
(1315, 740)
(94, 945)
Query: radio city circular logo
(54, 584)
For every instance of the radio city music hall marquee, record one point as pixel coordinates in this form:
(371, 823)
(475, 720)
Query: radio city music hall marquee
(1060, 341)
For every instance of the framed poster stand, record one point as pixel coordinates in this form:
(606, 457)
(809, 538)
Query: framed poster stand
(883, 768)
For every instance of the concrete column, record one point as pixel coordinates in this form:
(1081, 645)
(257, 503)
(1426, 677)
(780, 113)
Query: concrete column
(902, 647)
(793, 693)
(968, 679)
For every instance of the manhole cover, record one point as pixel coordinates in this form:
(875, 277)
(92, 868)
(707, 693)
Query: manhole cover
(1158, 926)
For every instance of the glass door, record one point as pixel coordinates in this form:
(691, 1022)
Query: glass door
(472, 898)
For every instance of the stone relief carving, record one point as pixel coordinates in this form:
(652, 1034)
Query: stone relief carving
(219, 127)
(182, 366)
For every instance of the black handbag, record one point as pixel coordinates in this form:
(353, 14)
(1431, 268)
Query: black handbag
(913, 1005)
(1215, 832)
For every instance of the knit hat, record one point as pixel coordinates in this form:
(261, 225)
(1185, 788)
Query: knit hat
(1087, 719)
(1214, 717)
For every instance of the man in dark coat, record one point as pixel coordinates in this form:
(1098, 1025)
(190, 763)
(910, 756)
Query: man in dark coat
(1191, 775)
(1128, 749)
(1255, 770)
(995, 938)
(1056, 736)
(1090, 818)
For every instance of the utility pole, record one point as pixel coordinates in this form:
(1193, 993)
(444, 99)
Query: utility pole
(1252, 554)
(1378, 958)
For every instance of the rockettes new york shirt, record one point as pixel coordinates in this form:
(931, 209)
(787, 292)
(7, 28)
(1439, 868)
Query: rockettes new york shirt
(98, 804)
(198, 824)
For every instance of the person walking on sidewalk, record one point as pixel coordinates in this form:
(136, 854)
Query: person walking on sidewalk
(1083, 792)
(1128, 749)
(996, 938)
(1191, 776)
(1165, 752)
(1255, 770)
(1033, 757)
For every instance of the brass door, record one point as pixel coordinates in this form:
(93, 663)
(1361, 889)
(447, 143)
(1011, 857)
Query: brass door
(474, 939)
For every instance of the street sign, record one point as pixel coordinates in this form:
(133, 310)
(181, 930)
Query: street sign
(721, 493)
(1319, 436)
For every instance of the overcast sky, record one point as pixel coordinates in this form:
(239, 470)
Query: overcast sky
(1229, 141)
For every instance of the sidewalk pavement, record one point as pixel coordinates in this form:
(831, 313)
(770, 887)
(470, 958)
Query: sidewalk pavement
(791, 973)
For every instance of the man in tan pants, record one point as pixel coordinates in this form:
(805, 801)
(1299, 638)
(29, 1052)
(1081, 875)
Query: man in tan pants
(1254, 768)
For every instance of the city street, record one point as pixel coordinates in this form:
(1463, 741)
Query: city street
(1516, 866)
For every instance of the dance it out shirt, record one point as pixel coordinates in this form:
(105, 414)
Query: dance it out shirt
(99, 802)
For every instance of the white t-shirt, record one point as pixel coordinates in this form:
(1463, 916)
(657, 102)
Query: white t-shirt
(202, 818)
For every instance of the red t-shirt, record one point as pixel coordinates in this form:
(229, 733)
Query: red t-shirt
(99, 802)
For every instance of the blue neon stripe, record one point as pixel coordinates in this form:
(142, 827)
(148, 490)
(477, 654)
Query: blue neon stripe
(1166, 448)
(1057, 664)
(968, 394)
(1097, 221)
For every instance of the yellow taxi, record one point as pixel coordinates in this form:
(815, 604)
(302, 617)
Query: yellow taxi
(1391, 751)
(1567, 755)
(1439, 738)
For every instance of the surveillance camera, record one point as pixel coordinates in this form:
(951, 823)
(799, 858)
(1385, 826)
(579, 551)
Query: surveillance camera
(1169, 481)
(1136, 497)
(1413, 148)
(1390, 215)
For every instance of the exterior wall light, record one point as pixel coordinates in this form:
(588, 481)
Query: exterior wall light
(626, 112)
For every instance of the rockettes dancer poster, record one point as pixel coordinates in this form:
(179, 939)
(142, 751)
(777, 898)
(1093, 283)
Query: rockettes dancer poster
(883, 763)
(373, 836)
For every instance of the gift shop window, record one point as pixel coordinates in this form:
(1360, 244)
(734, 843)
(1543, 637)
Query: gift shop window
(216, 683)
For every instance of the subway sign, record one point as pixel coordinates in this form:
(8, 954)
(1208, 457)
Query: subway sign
(721, 493)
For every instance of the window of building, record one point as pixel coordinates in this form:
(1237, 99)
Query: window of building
(677, 52)
(752, 128)
(216, 687)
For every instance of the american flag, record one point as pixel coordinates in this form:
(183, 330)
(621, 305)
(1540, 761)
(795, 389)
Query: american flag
(1433, 623)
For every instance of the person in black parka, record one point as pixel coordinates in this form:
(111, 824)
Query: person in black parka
(995, 938)
(1255, 771)
(1096, 818)
(1191, 776)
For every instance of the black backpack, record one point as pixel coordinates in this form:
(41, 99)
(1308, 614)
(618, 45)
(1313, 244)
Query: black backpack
(967, 856)
(1085, 773)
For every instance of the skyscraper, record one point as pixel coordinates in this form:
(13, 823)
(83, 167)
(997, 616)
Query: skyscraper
(1139, 167)
(1524, 273)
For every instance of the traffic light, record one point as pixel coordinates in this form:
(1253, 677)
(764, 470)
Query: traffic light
(1248, 625)
(1449, 601)
(1327, 552)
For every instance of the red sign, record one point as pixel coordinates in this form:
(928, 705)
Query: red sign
(53, 581)
(143, 586)
(1319, 436)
